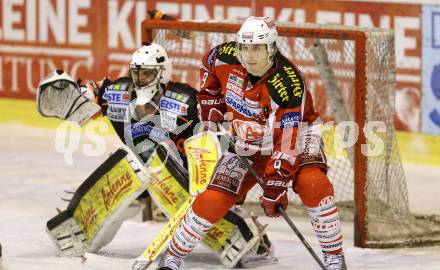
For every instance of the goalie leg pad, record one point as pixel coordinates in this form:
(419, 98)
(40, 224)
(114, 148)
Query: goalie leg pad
(248, 245)
(168, 186)
(263, 253)
(100, 203)
(109, 230)
(66, 235)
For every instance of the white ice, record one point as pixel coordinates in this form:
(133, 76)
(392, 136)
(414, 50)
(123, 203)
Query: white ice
(33, 176)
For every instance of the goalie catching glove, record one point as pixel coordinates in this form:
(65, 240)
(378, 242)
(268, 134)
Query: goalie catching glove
(59, 96)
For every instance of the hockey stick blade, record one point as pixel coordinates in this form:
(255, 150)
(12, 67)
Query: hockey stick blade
(203, 148)
(100, 261)
(141, 265)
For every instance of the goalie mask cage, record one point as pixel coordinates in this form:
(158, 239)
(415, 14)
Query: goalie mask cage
(350, 72)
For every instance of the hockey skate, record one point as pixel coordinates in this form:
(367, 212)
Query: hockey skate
(335, 261)
(170, 262)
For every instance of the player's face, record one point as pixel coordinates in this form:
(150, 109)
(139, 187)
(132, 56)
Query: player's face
(143, 77)
(254, 56)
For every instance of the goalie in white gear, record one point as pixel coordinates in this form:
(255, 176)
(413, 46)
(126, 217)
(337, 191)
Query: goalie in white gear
(152, 115)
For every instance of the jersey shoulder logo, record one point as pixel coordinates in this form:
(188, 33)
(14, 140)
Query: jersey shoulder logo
(286, 86)
(120, 84)
(227, 53)
(211, 57)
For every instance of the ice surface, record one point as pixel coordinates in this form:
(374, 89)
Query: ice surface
(33, 176)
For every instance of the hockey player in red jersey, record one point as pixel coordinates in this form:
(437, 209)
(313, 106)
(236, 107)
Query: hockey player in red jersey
(273, 122)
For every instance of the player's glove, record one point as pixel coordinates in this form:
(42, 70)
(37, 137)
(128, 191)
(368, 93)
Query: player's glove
(212, 108)
(94, 91)
(276, 182)
(274, 194)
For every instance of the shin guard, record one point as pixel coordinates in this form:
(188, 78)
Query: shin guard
(190, 232)
(327, 226)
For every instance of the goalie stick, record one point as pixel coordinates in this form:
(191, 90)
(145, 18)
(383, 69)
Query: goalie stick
(280, 209)
(200, 148)
(154, 249)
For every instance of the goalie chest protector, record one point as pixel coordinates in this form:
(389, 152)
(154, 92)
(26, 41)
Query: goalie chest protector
(175, 120)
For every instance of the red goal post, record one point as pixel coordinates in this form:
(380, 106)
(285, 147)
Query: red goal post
(351, 74)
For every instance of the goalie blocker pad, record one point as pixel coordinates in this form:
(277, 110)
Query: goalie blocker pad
(233, 237)
(99, 205)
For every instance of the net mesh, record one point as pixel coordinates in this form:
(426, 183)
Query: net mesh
(329, 67)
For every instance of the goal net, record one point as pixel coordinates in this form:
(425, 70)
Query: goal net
(350, 72)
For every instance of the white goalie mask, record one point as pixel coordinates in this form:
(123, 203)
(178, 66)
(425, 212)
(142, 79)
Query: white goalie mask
(258, 30)
(149, 68)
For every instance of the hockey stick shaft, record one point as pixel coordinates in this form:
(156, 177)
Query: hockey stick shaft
(199, 148)
(162, 239)
(280, 208)
(164, 236)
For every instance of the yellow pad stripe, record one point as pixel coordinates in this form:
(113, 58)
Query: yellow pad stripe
(162, 239)
(203, 151)
(106, 194)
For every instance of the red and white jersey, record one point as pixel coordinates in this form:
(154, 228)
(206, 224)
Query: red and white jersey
(266, 115)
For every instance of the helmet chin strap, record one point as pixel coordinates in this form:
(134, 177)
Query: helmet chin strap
(143, 107)
(141, 93)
